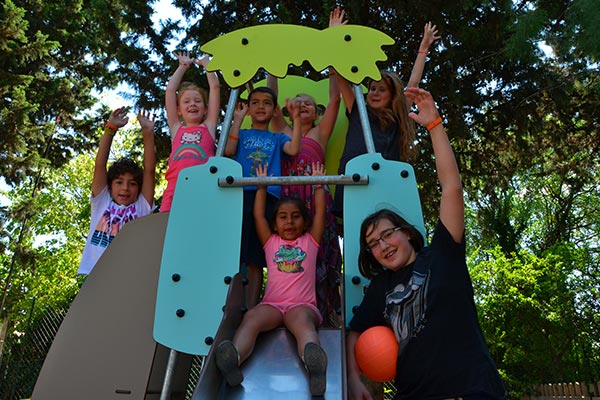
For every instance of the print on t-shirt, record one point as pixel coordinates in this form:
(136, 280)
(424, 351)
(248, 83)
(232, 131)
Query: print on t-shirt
(406, 307)
(289, 258)
(111, 222)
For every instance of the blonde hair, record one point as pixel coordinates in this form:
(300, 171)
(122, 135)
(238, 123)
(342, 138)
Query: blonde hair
(397, 113)
(187, 86)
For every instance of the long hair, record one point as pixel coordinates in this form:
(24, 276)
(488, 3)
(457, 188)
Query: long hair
(397, 113)
(185, 86)
(367, 264)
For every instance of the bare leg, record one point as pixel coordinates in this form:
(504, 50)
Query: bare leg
(230, 355)
(302, 322)
(261, 318)
(255, 280)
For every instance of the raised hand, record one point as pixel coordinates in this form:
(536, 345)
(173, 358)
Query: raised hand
(336, 17)
(184, 58)
(430, 35)
(241, 109)
(202, 61)
(119, 117)
(146, 120)
(318, 169)
(293, 106)
(428, 112)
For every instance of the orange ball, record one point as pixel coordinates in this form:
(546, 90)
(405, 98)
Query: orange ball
(376, 351)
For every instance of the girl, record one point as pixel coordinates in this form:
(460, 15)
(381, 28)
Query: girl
(387, 108)
(315, 137)
(192, 119)
(424, 293)
(289, 300)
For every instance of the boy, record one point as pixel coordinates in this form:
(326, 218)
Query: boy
(116, 193)
(251, 148)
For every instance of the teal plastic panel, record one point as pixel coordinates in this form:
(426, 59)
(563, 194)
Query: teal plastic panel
(392, 184)
(201, 248)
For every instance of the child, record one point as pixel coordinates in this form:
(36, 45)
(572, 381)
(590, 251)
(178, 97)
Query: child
(290, 298)
(192, 119)
(251, 148)
(315, 137)
(387, 108)
(425, 293)
(116, 193)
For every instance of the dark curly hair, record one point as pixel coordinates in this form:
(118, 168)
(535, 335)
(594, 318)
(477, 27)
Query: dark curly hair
(367, 264)
(122, 166)
(291, 200)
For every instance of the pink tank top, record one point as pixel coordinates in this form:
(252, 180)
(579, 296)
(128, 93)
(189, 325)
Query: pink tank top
(192, 145)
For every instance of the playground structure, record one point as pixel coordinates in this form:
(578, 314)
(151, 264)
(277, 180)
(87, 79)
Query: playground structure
(163, 292)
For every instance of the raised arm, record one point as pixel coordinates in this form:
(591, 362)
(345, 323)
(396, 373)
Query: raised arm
(260, 203)
(452, 210)
(336, 18)
(292, 148)
(330, 115)
(241, 109)
(278, 122)
(147, 124)
(429, 36)
(185, 61)
(117, 119)
(214, 97)
(318, 224)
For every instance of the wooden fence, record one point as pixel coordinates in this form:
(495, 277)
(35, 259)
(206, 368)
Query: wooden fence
(574, 390)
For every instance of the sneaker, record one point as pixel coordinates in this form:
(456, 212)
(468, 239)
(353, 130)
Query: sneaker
(315, 361)
(227, 359)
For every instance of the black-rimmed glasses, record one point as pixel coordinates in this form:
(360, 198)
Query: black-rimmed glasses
(372, 245)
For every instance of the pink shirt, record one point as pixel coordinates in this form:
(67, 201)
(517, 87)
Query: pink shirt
(291, 270)
(192, 145)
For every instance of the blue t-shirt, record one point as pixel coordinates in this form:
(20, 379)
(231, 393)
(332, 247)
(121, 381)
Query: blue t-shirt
(255, 147)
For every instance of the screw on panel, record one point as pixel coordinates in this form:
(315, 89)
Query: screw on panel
(404, 173)
(356, 280)
(180, 313)
(347, 38)
(209, 340)
(356, 177)
(354, 309)
(227, 280)
(354, 69)
(375, 166)
(176, 277)
(236, 72)
(229, 179)
(213, 169)
(244, 41)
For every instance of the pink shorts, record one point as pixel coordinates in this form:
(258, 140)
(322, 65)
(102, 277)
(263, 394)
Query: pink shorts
(284, 308)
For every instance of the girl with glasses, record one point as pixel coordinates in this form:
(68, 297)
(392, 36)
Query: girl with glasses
(424, 293)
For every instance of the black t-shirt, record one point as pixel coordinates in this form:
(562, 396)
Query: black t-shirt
(429, 304)
(385, 142)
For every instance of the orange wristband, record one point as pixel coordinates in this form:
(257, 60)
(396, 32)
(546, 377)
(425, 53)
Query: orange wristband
(435, 123)
(422, 52)
(111, 127)
(233, 137)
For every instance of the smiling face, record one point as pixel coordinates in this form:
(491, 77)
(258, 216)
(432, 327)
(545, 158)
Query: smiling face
(124, 189)
(380, 95)
(308, 108)
(261, 107)
(290, 221)
(192, 106)
(390, 248)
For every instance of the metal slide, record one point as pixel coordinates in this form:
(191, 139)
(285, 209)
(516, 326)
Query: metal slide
(274, 370)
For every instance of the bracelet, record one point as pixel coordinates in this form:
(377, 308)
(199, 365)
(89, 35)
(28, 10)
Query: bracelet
(422, 51)
(111, 127)
(233, 137)
(182, 63)
(318, 187)
(331, 72)
(435, 123)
